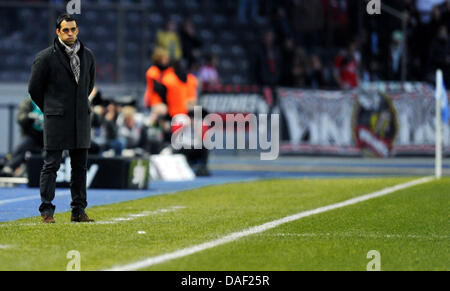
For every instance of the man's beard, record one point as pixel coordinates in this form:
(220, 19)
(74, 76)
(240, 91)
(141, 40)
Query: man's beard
(70, 44)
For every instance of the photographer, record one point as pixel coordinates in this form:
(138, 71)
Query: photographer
(30, 118)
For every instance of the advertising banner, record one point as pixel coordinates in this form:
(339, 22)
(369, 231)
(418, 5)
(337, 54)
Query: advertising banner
(381, 119)
(241, 110)
(233, 102)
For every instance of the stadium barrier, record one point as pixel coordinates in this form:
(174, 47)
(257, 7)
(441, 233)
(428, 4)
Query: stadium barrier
(103, 173)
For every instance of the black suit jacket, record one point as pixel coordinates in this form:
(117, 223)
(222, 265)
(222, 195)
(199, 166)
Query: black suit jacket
(65, 103)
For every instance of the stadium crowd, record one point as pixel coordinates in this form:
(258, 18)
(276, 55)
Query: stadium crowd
(331, 46)
(324, 43)
(370, 48)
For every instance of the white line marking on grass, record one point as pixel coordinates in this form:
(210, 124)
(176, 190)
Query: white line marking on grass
(143, 214)
(5, 247)
(261, 228)
(113, 221)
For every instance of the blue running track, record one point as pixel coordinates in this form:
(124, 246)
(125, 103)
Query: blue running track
(21, 202)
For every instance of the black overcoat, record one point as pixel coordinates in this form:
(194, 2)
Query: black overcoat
(65, 103)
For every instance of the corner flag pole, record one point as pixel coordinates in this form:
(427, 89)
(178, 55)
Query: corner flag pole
(438, 162)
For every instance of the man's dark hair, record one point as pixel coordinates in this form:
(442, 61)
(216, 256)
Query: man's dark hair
(65, 16)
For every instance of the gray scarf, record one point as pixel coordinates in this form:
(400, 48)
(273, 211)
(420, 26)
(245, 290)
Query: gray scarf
(74, 58)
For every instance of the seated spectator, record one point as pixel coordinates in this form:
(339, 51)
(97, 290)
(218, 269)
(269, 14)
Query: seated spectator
(30, 118)
(346, 68)
(104, 127)
(208, 74)
(315, 75)
(131, 130)
(169, 40)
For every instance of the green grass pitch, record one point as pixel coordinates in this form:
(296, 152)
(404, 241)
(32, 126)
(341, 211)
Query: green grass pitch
(409, 228)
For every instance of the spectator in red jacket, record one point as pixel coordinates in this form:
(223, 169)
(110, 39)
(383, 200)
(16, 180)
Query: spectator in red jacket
(346, 68)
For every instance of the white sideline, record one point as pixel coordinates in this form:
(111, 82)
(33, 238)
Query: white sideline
(142, 214)
(264, 227)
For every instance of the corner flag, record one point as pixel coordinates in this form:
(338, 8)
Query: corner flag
(444, 104)
(441, 93)
(441, 116)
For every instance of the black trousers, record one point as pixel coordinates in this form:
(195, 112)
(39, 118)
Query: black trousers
(52, 162)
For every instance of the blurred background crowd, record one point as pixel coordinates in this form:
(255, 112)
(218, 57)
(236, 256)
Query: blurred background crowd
(297, 43)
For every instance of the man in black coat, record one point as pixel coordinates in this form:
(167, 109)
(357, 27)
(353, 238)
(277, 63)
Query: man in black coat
(62, 77)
